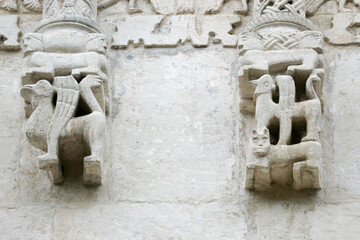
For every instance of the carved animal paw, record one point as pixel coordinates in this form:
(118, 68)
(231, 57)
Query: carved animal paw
(186, 10)
(92, 171)
(212, 10)
(134, 10)
(48, 161)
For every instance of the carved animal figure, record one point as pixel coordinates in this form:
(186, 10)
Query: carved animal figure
(40, 126)
(262, 62)
(305, 157)
(259, 147)
(280, 41)
(220, 4)
(287, 109)
(43, 65)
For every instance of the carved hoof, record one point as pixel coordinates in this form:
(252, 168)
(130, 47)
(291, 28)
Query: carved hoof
(92, 171)
(48, 162)
(306, 176)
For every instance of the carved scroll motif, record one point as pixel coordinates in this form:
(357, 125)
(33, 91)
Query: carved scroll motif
(280, 68)
(66, 62)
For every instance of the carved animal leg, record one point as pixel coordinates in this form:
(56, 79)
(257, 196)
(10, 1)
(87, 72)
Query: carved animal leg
(132, 7)
(57, 174)
(309, 63)
(243, 9)
(285, 129)
(258, 178)
(306, 175)
(216, 9)
(312, 114)
(78, 72)
(185, 7)
(37, 73)
(259, 68)
(94, 135)
(342, 6)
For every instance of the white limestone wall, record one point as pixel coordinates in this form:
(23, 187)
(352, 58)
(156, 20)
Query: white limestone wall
(175, 165)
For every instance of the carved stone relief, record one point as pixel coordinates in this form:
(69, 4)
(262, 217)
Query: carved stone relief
(280, 73)
(9, 5)
(9, 33)
(65, 86)
(171, 31)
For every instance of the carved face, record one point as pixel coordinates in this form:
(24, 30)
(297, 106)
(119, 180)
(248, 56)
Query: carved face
(33, 42)
(264, 84)
(96, 43)
(260, 142)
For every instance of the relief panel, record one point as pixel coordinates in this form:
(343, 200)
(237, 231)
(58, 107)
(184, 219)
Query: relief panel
(281, 74)
(65, 87)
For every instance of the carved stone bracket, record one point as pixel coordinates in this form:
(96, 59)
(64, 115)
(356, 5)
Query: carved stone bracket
(9, 33)
(171, 31)
(280, 73)
(66, 86)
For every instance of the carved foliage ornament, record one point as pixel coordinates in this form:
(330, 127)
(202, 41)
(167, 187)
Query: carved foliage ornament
(65, 87)
(280, 70)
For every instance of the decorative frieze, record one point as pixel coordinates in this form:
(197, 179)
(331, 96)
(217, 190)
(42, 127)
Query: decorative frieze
(172, 31)
(65, 65)
(280, 73)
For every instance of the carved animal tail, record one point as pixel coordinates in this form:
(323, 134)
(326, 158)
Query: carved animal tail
(286, 104)
(310, 90)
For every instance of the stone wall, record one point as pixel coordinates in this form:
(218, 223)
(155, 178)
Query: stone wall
(175, 159)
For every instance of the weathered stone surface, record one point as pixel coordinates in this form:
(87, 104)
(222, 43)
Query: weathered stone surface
(9, 33)
(172, 31)
(343, 31)
(176, 154)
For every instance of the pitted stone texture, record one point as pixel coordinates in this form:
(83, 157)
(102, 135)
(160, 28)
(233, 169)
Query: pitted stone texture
(157, 221)
(197, 114)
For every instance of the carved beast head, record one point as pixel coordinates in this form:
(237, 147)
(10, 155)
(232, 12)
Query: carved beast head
(33, 42)
(260, 142)
(265, 84)
(34, 93)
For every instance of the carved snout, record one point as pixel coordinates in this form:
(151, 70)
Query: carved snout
(26, 92)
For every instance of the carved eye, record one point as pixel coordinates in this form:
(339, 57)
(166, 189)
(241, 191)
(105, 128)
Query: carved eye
(266, 84)
(255, 139)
